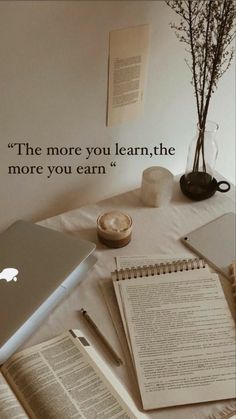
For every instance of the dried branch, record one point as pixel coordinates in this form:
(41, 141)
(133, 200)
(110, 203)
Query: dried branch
(207, 27)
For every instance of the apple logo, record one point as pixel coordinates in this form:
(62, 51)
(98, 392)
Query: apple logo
(9, 274)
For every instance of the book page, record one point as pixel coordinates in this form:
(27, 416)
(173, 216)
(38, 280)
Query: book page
(10, 407)
(128, 51)
(182, 336)
(119, 391)
(56, 379)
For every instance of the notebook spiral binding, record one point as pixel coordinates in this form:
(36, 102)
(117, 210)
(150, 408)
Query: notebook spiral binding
(158, 269)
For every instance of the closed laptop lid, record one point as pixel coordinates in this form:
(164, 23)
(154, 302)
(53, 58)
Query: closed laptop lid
(34, 261)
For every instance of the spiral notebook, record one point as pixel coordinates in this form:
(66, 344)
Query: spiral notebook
(180, 332)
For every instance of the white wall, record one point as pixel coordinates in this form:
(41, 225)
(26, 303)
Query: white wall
(53, 87)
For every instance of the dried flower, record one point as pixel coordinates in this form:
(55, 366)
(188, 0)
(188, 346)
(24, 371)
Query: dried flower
(207, 27)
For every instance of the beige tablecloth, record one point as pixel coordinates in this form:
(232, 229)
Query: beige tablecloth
(155, 231)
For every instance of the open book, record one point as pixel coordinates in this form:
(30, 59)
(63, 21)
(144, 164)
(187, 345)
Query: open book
(62, 378)
(180, 333)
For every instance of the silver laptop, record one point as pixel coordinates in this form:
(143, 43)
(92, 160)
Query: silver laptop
(38, 267)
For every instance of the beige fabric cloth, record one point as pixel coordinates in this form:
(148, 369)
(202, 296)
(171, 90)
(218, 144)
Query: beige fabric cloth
(155, 231)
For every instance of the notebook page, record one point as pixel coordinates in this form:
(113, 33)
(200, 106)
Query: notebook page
(182, 336)
(118, 293)
(123, 262)
(110, 297)
(127, 262)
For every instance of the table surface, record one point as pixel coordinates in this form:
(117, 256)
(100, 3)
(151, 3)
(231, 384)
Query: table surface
(155, 231)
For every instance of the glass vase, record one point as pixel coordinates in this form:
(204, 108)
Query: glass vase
(198, 182)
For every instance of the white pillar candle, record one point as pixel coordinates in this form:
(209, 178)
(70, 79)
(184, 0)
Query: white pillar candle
(157, 186)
